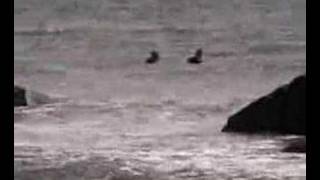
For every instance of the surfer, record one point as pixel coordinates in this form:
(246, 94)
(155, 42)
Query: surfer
(154, 58)
(197, 58)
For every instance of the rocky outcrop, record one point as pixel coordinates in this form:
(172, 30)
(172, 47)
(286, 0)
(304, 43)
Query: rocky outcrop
(283, 111)
(19, 96)
(296, 146)
(23, 97)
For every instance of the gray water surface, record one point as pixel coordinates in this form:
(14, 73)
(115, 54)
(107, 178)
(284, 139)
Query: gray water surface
(123, 119)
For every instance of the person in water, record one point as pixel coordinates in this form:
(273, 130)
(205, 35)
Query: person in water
(154, 58)
(197, 58)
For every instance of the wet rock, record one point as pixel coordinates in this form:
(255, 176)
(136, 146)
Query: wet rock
(283, 111)
(23, 97)
(19, 96)
(36, 98)
(296, 146)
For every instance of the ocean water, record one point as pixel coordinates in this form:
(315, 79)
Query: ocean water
(122, 119)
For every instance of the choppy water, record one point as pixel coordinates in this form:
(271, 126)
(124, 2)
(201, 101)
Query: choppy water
(126, 120)
(166, 141)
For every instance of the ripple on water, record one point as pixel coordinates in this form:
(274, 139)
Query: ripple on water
(162, 145)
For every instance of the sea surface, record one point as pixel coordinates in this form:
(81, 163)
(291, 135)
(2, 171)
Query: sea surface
(120, 119)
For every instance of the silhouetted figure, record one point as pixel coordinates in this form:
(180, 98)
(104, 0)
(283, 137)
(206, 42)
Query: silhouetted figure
(197, 58)
(154, 58)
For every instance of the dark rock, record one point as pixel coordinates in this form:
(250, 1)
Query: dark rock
(23, 97)
(296, 146)
(19, 96)
(283, 111)
(36, 98)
